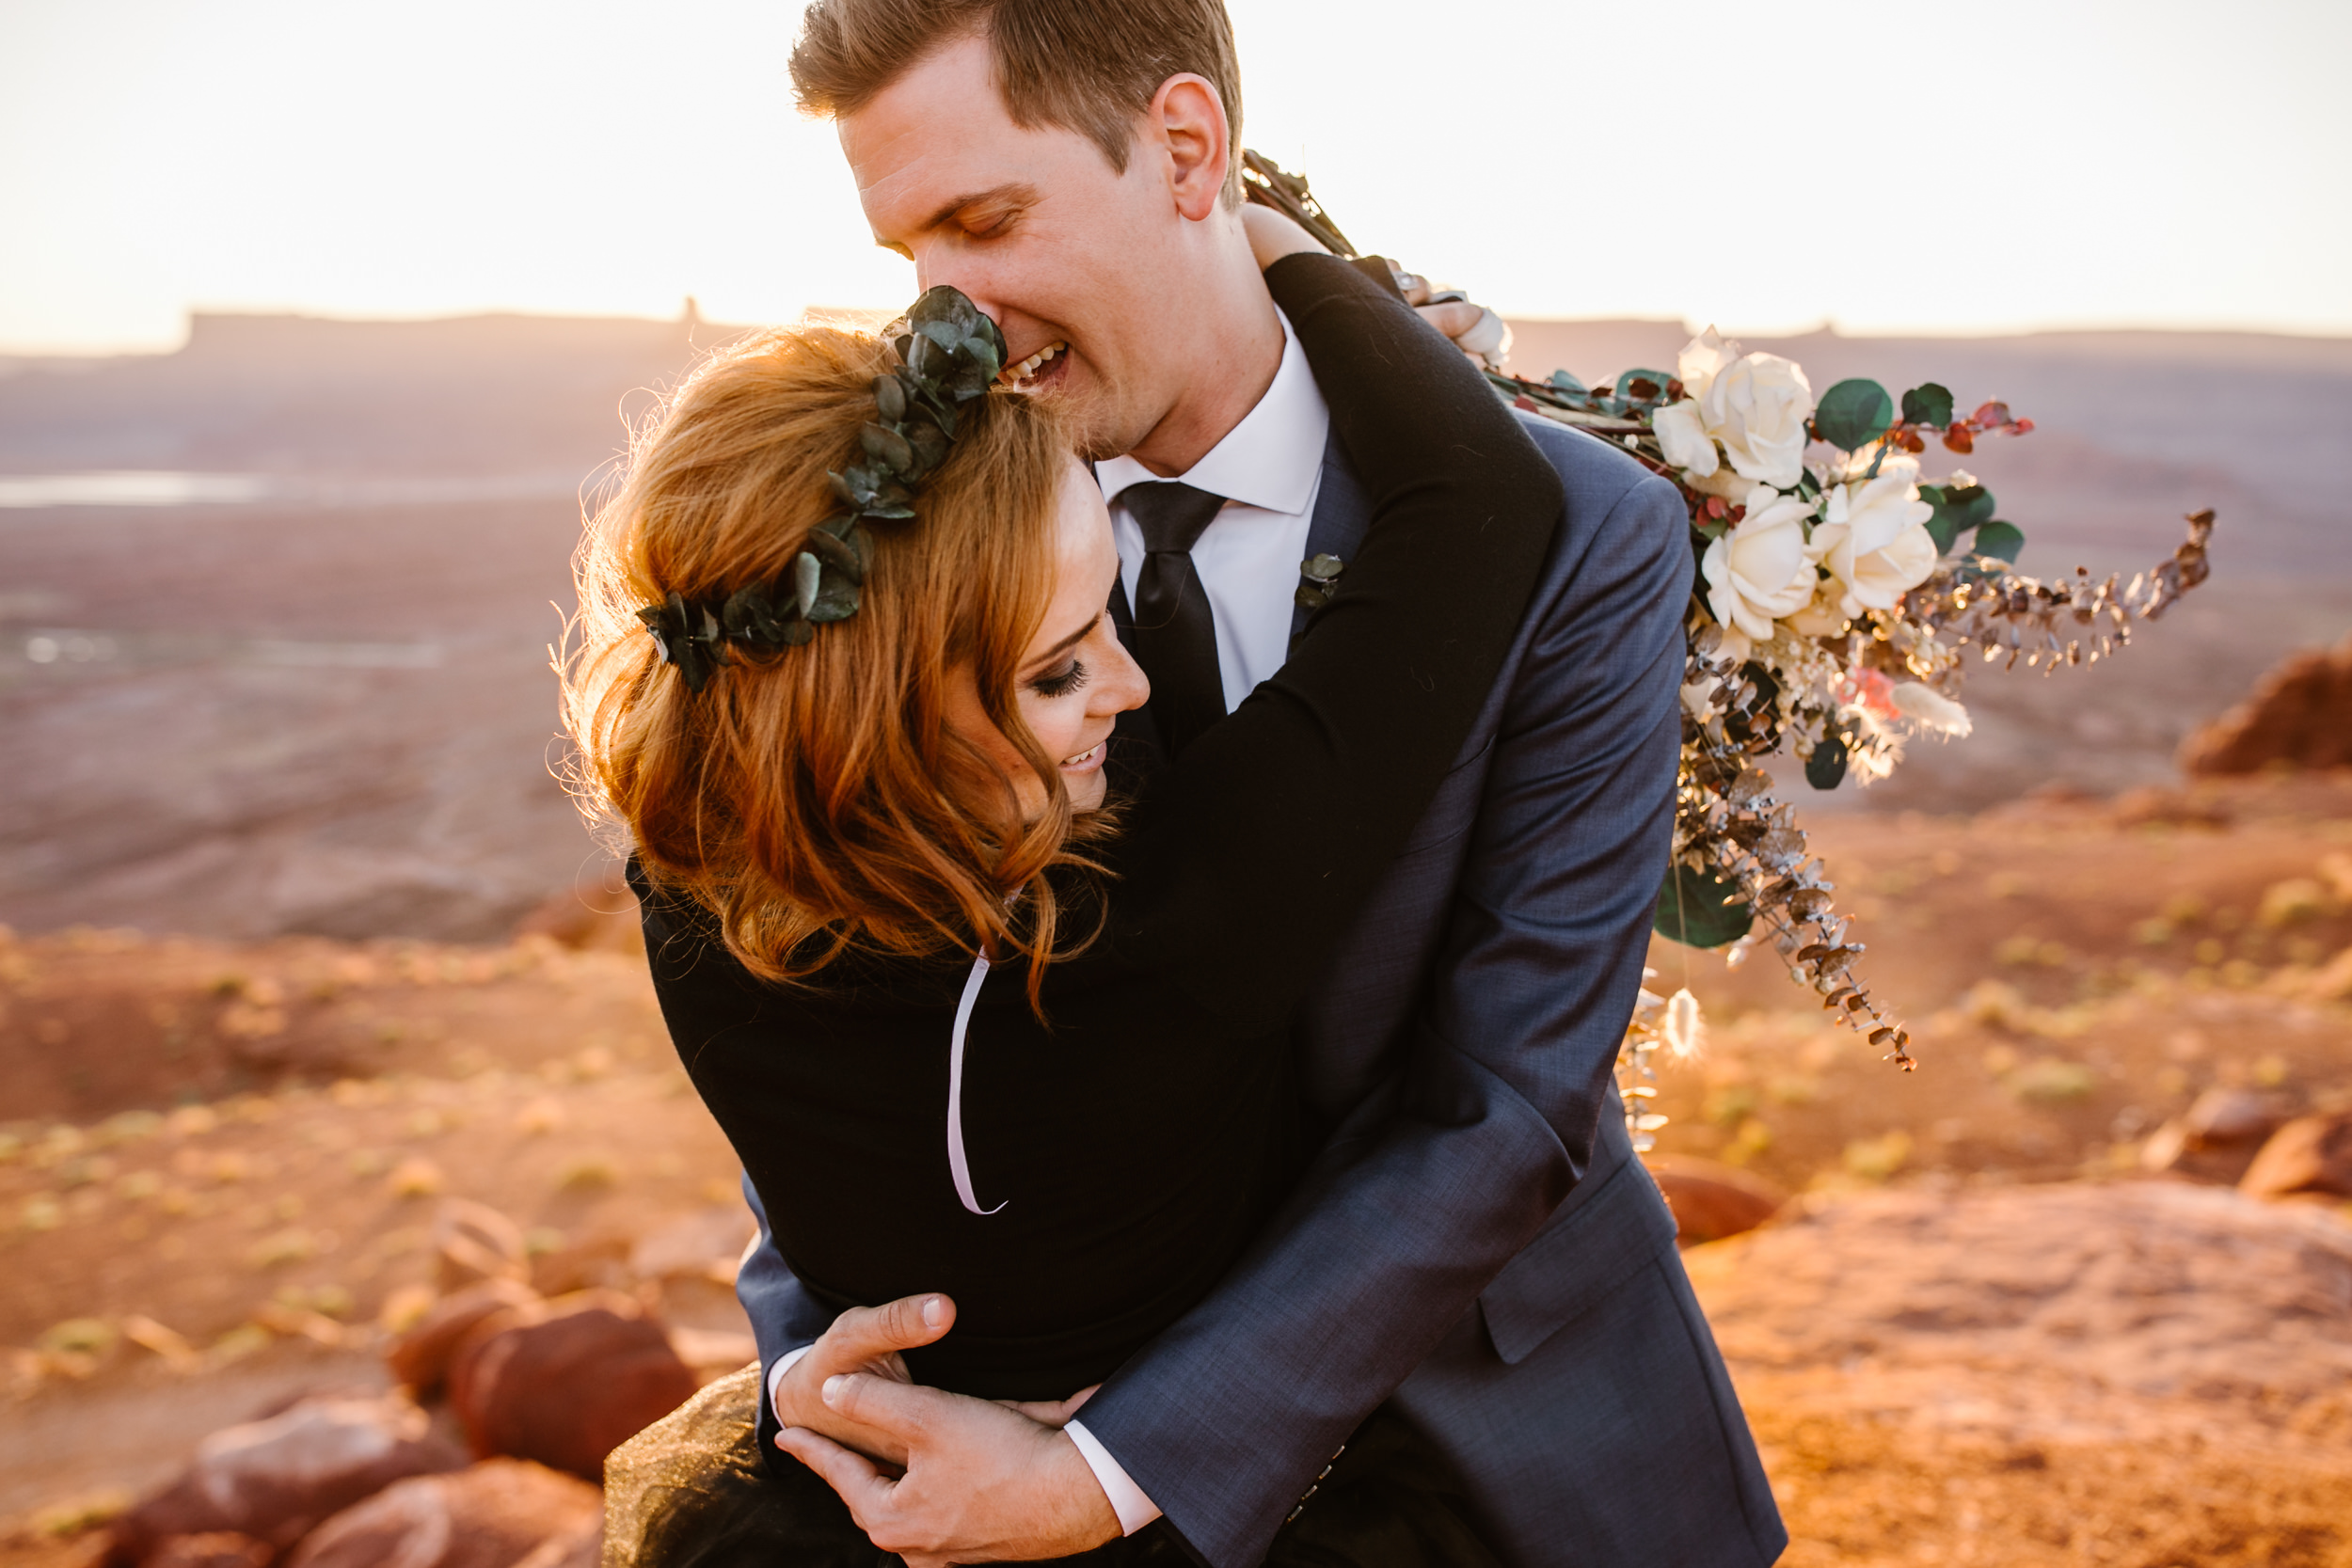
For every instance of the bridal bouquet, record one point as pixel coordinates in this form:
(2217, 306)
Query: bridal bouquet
(1839, 592)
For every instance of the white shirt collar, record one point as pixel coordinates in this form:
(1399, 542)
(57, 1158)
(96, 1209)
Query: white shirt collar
(1271, 459)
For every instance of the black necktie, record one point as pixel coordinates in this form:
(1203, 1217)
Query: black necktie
(1175, 628)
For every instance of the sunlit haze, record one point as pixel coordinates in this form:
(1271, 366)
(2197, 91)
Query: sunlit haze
(1761, 167)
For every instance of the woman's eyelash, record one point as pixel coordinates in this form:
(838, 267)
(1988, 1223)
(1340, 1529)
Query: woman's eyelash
(1062, 682)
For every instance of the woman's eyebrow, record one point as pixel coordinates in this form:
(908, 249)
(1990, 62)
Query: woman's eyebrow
(1070, 641)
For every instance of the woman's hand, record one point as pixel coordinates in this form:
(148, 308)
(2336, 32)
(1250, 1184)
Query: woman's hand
(1272, 235)
(1051, 1412)
(1474, 329)
(864, 1339)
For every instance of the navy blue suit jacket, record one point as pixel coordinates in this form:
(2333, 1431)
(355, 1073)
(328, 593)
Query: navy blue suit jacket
(1476, 1239)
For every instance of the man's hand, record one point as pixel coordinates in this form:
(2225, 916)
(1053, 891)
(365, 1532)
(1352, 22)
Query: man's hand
(867, 1340)
(981, 1482)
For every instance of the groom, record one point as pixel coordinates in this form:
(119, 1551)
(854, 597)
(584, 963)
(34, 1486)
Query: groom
(1474, 1245)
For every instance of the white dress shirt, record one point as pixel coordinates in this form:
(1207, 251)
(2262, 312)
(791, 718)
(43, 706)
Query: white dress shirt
(1269, 467)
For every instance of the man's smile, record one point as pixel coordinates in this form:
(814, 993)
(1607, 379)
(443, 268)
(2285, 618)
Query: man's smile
(1039, 368)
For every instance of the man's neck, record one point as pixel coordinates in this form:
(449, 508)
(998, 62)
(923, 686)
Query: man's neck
(1238, 349)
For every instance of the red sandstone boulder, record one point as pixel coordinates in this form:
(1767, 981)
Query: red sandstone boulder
(566, 1381)
(2300, 715)
(213, 1549)
(499, 1513)
(2310, 1154)
(420, 1357)
(2217, 1140)
(273, 1479)
(474, 1242)
(1710, 1200)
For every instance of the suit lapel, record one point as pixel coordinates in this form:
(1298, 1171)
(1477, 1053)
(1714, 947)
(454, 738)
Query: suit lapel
(1336, 528)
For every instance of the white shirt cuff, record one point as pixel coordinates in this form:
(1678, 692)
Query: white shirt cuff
(1134, 1508)
(785, 1363)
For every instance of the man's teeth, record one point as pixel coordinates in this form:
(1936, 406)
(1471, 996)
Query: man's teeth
(1030, 367)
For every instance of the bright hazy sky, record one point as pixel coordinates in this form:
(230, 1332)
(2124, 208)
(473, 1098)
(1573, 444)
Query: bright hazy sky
(1757, 164)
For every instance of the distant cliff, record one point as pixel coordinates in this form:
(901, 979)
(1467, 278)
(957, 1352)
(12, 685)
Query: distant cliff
(2135, 427)
(295, 394)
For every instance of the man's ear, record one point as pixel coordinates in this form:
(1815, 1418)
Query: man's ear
(1186, 127)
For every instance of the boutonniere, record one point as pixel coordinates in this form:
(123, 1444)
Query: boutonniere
(1318, 579)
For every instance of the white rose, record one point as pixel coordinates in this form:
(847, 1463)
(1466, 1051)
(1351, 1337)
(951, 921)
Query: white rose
(1873, 537)
(1760, 569)
(1756, 405)
(1703, 360)
(1820, 616)
(1684, 440)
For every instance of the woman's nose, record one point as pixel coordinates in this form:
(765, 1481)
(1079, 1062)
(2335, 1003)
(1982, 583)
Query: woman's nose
(1124, 685)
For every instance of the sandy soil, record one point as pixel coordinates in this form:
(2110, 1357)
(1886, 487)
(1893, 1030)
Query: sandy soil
(2136, 1371)
(224, 1179)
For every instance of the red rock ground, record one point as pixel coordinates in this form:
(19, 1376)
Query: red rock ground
(1983, 1335)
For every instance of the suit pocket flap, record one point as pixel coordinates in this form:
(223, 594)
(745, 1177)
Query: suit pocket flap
(1576, 1261)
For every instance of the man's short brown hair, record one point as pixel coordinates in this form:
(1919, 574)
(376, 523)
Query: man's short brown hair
(1089, 66)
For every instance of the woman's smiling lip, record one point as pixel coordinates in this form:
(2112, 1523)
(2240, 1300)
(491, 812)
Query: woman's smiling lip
(1088, 760)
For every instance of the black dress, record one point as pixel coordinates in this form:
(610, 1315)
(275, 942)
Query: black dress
(1077, 1183)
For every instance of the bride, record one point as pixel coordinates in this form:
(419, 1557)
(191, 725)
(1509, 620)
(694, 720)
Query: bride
(980, 1010)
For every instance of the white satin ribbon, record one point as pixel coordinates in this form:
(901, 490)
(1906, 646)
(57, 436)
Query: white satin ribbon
(958, 1167)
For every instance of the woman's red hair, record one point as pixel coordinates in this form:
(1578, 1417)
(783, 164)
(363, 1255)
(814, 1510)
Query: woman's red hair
(815, 800)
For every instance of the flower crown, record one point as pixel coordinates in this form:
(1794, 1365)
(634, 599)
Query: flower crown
(949, 354)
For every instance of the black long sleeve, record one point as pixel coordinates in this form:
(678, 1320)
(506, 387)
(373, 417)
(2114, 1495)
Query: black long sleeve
(1125, 1148)
(1276, 825)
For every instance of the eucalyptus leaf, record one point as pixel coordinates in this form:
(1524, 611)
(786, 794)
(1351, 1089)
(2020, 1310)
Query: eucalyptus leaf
(1927, 403)
(1958, 508)
(1569, 384)
(1655, 380)
(1700, 910)
(890, 398)
(1826, 767)
(837, 597)
(972, 377)
(930, 444)
(807, 572)
(946, 336)
(837, 553)
(887, 447)
(751, 617)
(2001, 541)
(1854, 413)
(927, 359)
(945, 307)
